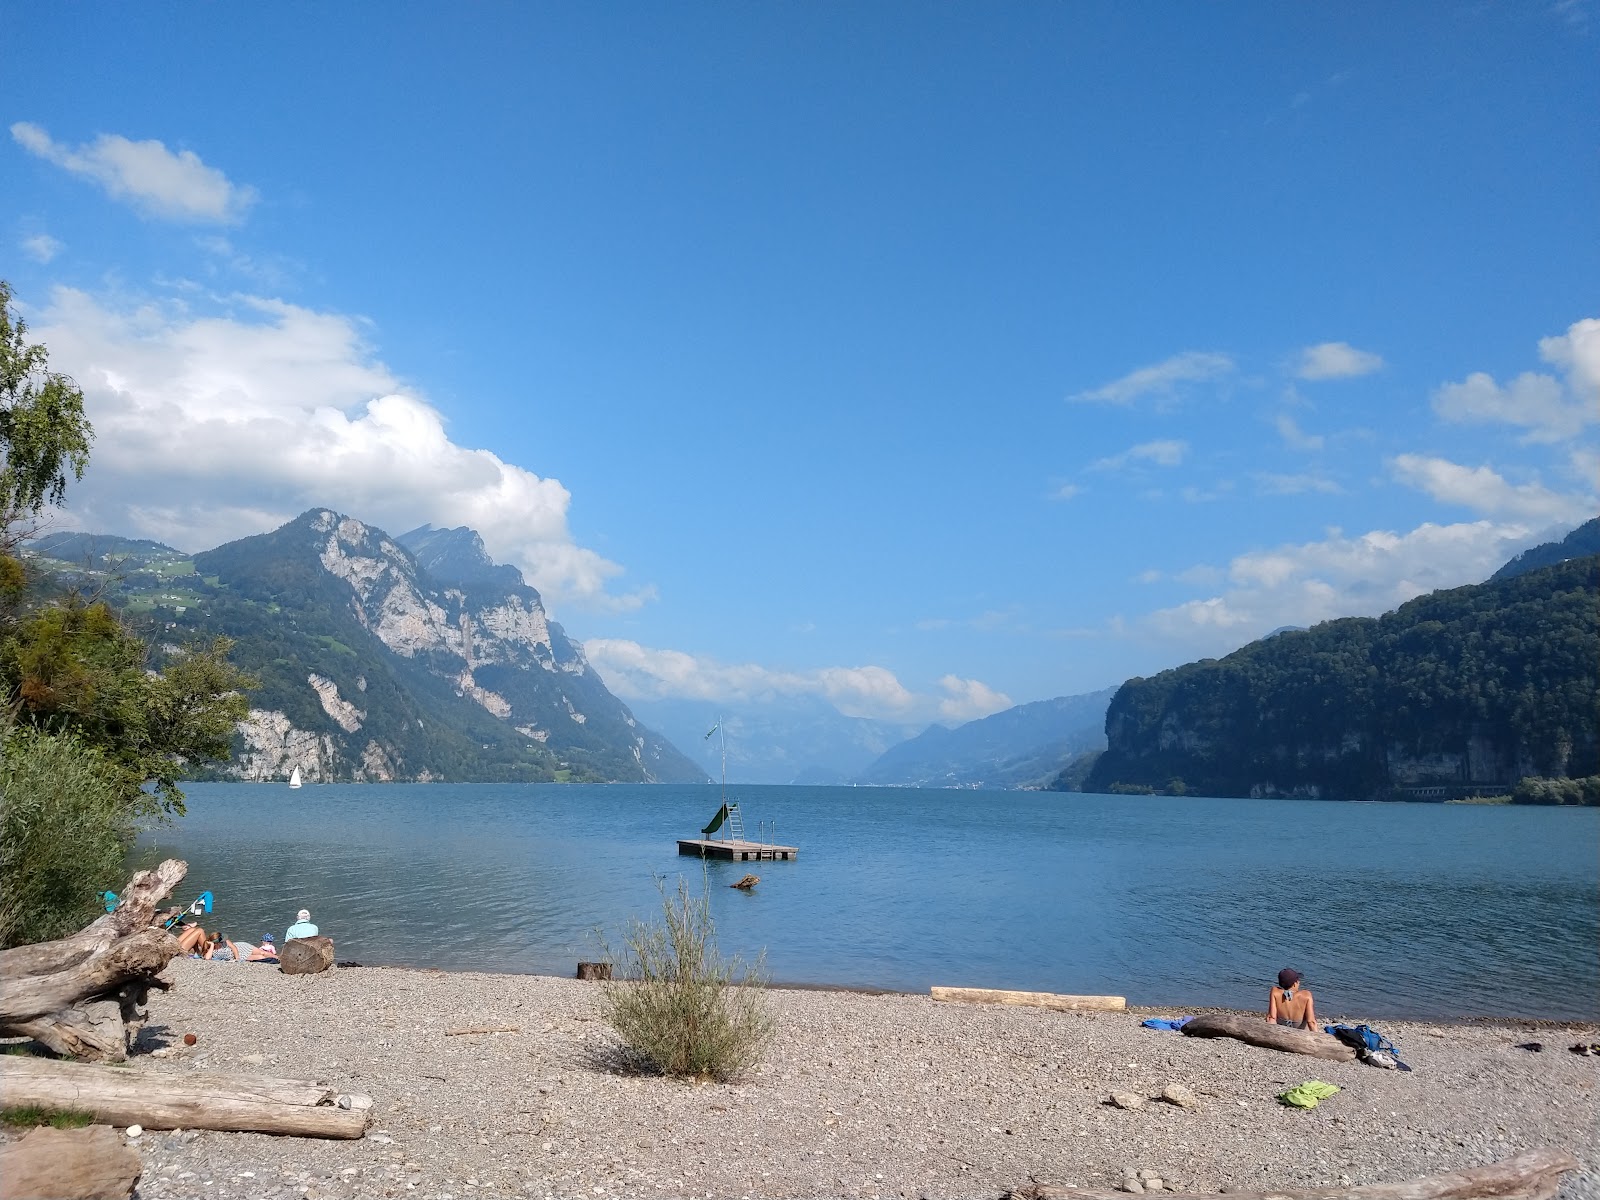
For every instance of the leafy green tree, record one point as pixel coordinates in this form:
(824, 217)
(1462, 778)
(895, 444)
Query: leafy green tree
(44, 435)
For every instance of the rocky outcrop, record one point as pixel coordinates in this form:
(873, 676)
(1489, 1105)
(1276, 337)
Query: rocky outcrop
(273, 748)
(344, 714)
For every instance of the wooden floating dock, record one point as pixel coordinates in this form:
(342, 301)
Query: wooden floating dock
(738, 851)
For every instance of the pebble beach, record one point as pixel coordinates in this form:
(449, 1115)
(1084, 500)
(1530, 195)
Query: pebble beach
(861, 1095)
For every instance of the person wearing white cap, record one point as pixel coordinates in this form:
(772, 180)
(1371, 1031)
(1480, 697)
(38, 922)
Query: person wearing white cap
(302, 926)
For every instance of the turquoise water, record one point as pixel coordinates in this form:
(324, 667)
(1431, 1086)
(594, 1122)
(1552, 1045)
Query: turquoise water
(1387, 909)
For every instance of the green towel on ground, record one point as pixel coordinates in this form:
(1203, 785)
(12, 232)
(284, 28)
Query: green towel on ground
(1308, 1094)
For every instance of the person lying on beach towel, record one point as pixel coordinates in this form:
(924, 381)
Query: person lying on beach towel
(192, 939)
(266, 952)
(1290, 1004)
(223, 950)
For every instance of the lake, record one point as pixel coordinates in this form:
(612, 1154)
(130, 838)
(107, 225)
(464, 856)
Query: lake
(1389, 910)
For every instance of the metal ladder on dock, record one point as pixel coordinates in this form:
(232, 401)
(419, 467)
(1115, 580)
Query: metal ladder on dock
(735, 822)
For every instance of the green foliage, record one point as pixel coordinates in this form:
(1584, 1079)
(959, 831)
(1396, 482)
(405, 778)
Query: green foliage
(44, 435)
(1558, 791)
(64, 826)
(1071, 776)
(1501, 675)
(26, 1116)
(76, 666)
(682, 1009)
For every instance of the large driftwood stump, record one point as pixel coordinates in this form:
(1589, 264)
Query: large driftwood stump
(306, 956)
(70, 1164)
(594, 970)
(1054, 1000)
(84, 995)
(237, 1103)
(1259, 1032)
(1535, 1175)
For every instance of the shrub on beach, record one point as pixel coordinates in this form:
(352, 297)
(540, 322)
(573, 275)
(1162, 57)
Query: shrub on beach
(63, 830)
(679, 1007)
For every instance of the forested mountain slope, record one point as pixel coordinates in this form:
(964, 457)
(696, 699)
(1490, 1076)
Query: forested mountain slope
(1459, 690)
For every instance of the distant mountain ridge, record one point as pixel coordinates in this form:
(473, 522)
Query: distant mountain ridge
(374, 667)
(1021, 746)
(1582, 541)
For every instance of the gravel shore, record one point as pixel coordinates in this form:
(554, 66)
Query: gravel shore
(861, 1096)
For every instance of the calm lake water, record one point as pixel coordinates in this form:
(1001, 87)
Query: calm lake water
(1387, 909)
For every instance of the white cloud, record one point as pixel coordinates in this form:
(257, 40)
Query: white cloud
(1066, 492)
(212, 427)
(1161, 379)
(637, 672)
(1550, 409)
(1164, 453)
(1337, 577)
(1293, 436)
(1197, 495)
(1336, 360)
(1485, 491)
(41, 247)
(968, 699)
(177, 186)
(1295, 485)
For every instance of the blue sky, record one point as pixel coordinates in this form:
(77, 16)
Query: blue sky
(922, 357)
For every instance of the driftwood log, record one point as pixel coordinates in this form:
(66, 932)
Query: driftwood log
(1259, 1032)
(71, 1164)
(84, 995)
(1030, 999)
(594, 971)
(236, 1103)
(306, 956)
(1535, 1175)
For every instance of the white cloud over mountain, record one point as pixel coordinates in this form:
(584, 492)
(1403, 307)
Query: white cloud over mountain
(175, 186)
(211, 427)
(1485, 491)
(637, 672)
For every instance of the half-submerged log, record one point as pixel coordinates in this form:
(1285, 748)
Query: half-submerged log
(306, 956)
(1054, 1000)
(235, 1103)
(748, 882)
(84, 995)
(1259, 1032)
(1535, 1175)
(69, 1164)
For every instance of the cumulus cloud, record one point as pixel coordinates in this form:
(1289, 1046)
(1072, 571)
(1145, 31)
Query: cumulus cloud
(1338, 576)
(1336, 360)
(212, 427)
(1165, 453)
(968, 699)
(637, 672)
(161, 183)
(1293, 436)
(1549, 409)
(1162, 379)
(41, 247)
(1484, 490)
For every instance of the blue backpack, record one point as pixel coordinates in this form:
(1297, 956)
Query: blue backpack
(1366, 1041)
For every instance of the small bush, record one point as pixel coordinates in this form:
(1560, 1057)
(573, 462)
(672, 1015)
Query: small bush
(680, 1008)
(63, 834)
(27, 1116)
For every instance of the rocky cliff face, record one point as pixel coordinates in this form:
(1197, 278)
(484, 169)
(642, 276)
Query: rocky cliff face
(375, 668)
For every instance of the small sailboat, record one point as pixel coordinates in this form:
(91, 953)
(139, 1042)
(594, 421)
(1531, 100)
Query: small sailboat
(294, 777)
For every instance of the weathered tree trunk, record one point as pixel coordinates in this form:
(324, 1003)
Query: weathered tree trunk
(69, 1164)
(1535, 1175)
(594, 970)
(1259, 1032)
(306, 956)
(84, 995)
(1030, 999)
(237, 1103)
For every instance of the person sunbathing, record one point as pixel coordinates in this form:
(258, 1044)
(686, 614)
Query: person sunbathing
(192, 939)
(266, 952)
(1290, 1004)
(222, 950)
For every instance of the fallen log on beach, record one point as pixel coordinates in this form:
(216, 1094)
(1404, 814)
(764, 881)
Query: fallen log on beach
(1054, 1000)
(83, 1164)
(232, 1103)
(1259, 1032)
(83, 996)
(1535, 1175)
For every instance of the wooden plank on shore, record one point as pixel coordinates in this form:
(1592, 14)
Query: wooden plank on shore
(1053, 1000)
(1535, 1175)
(1257, 1031)
(236, 1103)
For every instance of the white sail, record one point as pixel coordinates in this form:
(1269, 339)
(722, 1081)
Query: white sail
(294, 777)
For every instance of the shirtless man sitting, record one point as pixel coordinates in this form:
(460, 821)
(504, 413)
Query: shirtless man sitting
(1290, 1004)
